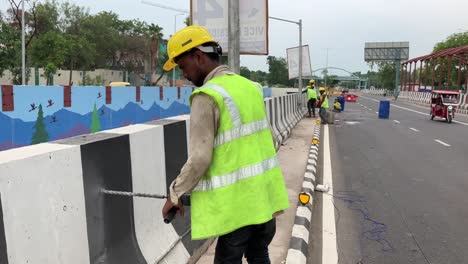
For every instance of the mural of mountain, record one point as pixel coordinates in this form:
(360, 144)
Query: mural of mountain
(9, 145)
(64, 123)
(175, 109)
(79, 129)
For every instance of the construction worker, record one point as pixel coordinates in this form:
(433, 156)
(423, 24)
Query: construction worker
(311, 98)
(236, 184)
(323, 105)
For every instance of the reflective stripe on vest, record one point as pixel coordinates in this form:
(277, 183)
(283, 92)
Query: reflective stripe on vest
(239, 129)
(230, 104)
(241, 174)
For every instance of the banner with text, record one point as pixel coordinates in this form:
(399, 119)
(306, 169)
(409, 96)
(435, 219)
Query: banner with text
(253, 21)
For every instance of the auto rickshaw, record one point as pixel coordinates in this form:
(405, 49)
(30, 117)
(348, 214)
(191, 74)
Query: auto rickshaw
(444, 104)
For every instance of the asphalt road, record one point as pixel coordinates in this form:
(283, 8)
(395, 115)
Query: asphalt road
(400, 186)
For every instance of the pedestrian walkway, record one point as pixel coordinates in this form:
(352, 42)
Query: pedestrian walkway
(293, 159)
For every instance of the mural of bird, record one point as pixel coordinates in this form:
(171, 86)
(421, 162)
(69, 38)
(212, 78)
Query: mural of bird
(50, 103)
(33, 107)
(99, 95)
(54, 119)
(102, 112)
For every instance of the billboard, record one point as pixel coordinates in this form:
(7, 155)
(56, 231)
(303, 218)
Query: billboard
(253, 21)
(386, 51)
(293, 62)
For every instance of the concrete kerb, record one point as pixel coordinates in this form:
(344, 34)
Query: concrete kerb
(299, 243)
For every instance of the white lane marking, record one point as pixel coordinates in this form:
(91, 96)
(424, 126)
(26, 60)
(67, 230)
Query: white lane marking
(411, 110)
(396, 121)
(329, 249)
(376, 112)
(441, 142)
(414, 129)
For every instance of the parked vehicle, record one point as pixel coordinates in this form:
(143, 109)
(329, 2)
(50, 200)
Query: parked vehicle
(444, 104)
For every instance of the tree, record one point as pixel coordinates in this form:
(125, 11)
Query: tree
(14, 20)
(386, 75)
(278, 72)
(49, 51)
(452, 41)
(81, 52)
(40, 135)
(9, 47)
(101, 30)
(47, 17)
(95, 124)
(245, 72)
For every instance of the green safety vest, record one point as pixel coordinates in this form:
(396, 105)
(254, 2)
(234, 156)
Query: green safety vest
(311, 93)
(244, 184)
(325, 103)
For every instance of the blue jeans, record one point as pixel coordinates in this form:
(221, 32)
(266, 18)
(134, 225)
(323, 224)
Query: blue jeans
(251, 240)
(323, 115)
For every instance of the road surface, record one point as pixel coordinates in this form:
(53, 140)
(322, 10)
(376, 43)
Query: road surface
(400, 187)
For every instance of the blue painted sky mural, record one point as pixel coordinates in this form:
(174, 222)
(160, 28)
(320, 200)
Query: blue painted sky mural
(17, 127)
(40, 114)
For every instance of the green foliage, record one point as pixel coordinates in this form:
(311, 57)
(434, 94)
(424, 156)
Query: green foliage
(10, 47)
(97, 81)
(49, 51)
(65, 35)
(95, 124)
(47, 15)
(453, 41)
(40, 135)
(256, 76)
(384, 77)
(278, 72)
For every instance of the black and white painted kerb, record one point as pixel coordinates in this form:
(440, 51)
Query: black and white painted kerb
(299, 243)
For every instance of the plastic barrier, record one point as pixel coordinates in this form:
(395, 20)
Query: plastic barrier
(384, 109)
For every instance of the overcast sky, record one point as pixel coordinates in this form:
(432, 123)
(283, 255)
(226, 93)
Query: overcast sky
(342, 26)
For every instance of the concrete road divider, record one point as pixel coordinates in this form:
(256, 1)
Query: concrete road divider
(53, 209)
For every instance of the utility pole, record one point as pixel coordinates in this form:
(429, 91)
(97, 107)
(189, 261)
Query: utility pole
(300, 56)
(326, 70)
(234, 36)
(23, 47)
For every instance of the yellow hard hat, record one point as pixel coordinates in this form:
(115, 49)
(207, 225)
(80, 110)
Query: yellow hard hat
(322, 89)
(185, 40)
(312, 81)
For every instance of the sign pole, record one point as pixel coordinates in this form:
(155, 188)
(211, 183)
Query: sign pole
(300, 56)
(234, 37)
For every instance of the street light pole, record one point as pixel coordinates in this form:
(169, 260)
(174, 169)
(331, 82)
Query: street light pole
(300, 46)
(23, 47)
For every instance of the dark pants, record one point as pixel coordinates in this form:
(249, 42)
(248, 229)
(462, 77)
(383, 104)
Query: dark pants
(251, 240)
(323, 115)
(311, 106)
